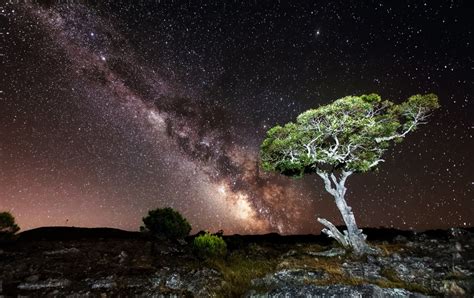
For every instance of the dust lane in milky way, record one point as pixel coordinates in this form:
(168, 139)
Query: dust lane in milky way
(110, 110)
(220, 188)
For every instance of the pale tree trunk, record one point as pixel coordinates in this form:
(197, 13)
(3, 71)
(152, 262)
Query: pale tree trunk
(353, 237)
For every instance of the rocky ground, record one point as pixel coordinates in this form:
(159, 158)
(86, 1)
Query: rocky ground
(106, 262)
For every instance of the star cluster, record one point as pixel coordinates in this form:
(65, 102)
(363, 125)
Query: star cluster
(109, 109)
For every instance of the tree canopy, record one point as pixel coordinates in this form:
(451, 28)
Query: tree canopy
(350, 134)
(8, 227)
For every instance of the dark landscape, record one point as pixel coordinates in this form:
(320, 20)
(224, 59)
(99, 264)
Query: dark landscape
(284, 131)
(103, 262)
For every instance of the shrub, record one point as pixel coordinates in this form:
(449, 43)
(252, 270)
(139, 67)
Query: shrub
(209, 246)
(8, 226)
(166, 222)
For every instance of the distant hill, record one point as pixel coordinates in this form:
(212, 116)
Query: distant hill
(73, 233)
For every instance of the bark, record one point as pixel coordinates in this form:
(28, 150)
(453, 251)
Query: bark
(353, 237)
(333, 232)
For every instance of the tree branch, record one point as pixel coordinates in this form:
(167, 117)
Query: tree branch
(376, 162)
(333, 232)
(417, 119)
(344, 176)
(327, 182)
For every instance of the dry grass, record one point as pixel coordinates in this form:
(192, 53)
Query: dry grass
(390, 248)
(238, 271)
(240, 268)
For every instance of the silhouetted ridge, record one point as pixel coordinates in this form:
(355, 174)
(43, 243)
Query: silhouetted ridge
(72, 233)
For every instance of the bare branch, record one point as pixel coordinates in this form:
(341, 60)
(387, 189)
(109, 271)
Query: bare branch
(333, 232)
(327, 182)
(345, 175)
(376, 163)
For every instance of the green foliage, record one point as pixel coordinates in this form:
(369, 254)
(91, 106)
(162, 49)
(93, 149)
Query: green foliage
(209, 246)
(350, 134)
(166, 222)
(8, 227)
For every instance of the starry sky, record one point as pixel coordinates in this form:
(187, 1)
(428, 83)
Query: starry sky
(109, 109)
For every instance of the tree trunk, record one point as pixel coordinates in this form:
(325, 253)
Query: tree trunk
(352, 237)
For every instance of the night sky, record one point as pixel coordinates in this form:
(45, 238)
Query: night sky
(109, 109)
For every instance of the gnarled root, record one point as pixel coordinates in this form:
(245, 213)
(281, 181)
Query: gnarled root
(333, 232)
(355, 242)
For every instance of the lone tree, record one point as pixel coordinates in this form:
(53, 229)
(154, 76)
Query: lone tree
(166, 222)
(8, 227)
(337, 140)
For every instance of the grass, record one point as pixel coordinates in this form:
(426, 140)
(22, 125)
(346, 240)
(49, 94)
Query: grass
(241, 267)
(238, 270)
(390, 248)
(404, 285)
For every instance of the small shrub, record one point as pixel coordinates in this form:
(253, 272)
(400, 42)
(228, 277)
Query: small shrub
(210, 246)
(166, 222)
(8, 227)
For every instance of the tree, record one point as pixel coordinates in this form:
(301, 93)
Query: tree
(337, 140)
(166, 222)
(8, 227)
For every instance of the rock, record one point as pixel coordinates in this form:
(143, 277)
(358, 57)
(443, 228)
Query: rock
(46, 284)
(203, 283)
(64, 251)
(200, 283)
(174, 281)
(32, 278)
(182, 242)
(156, 281)
(333, 252)
(122, 257)
(362, 270)
(103, 284)
(451, 288)
(290, 253)
(371, 259)
(135, 282)
(288, 277)
(396, 257)
(337, 291)
(400, 239)
(401, 269)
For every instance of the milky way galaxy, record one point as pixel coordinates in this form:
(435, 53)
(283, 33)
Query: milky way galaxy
(110, 109)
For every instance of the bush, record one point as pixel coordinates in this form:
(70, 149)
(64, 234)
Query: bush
(8, 226)
(210, 246)
(166, 222)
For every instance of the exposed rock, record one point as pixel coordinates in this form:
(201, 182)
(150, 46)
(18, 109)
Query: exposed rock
(362, 270)
(289, 277)
(122, 257)
(64, 251)
(32, 278)
(182, 242)
(104, 283)
(174, 281)
(202, 283)
(336, 291)
(46, 284)
(451, 288)
(290, 253)
(136, 267)
(333, 252)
